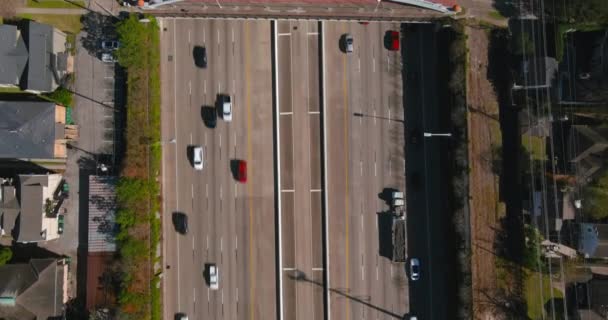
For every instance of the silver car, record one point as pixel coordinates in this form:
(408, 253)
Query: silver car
(347, 42)
(414, 269)
(214, 276)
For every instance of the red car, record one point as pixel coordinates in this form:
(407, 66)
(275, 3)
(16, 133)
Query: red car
(392, 40)
(242, 171)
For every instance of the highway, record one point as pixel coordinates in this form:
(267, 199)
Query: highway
(230, 223)
(365, 155)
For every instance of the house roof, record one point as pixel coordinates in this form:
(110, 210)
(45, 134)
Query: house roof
(102, 207)
(593, 240)
(39, 76)
(32, 290)
(27, 129)
(586, 141)
(10, 207)
(538, 71)
(30, 219)
(534, 126)
(13, 55)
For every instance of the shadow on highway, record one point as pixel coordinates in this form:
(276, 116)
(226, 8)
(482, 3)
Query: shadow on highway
(299, 275)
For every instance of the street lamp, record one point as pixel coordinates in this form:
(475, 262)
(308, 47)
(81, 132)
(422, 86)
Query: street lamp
(376, 9)
(218, 3)
(429, 134)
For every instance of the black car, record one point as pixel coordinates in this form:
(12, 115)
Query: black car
(209, 115)
(180, 222)
(200, 56)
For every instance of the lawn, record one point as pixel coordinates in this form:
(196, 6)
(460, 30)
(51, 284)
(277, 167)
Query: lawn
(536, 146)
(52, 4)
(534, 290)
(67, 23)
(10, 90)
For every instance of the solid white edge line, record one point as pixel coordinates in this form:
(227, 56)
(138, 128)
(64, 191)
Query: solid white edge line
(324, 133)
(179, 306)
(278, 161)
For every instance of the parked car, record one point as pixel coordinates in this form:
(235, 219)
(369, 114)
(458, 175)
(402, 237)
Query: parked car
(200, 56)
(347, 43)
(60, 224)
(226, 107)
(110, 44)
(414, 269)
(391, 40)
(198, 158)
(214, 276)
(180, 222)
(107, 57)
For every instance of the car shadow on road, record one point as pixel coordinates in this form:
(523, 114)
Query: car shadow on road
(299, 275)
(385, 232)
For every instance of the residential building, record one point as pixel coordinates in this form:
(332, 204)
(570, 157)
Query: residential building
(29, 212)
(33, 57)
(593, 240)
(588, 146)
(592, 298)
(34, 131)
(34, 290)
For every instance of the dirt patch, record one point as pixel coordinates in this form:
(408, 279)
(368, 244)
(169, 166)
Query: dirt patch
(485, 206)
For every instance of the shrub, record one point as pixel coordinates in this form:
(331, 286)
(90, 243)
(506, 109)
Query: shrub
(61, 96)
(6, 254)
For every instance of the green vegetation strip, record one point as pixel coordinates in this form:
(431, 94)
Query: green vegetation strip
(64, 22)
(538, 293)
(53, 4)
(137, 191)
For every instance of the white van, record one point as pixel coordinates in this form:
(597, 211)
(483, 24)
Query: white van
(198, 158)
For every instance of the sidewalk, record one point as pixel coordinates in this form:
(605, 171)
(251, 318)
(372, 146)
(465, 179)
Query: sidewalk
(51, 11)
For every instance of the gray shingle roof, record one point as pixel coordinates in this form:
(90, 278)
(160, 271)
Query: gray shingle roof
(36, 287)
(39, 76)
(13, 55)
(30, 222)
(27, 130)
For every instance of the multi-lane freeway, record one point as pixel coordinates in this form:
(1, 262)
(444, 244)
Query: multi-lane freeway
(322, 133)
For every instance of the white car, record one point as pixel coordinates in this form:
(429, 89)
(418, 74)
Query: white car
(107, 57)
(198, 158)
(226, 108)
(414, 269)
(214, 277)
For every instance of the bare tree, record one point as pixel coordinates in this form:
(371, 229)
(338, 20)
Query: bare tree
(8, 8)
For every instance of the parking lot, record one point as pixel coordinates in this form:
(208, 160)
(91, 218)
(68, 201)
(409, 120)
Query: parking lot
(335, 113)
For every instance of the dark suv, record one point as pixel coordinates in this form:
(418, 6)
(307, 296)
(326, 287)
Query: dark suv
(180, 222)
(200, 56)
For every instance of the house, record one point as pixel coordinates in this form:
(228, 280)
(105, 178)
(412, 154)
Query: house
(592, 298)
(101, 245)
(34, 290)
(593, 240)
(587, 147)
(29, 212)
(33, 57)
(34, 131)
(536, 73)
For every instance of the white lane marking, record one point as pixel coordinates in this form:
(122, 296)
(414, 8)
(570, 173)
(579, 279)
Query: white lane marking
(190, 87)
(235, 188)
(376, 272)
(206, 190)
(374, 65)
(205, 86)
(207, 295)
(221, 244)
(220, 136)
(314, 112)
(317, 269)
(232, 30)
(315, 190)
(205, 138)
(361, 167)
(237, 294)
(374, 115)
(234, 86)
(287, 190)
(236, 242)
(176, 174)
(191, 138)
(207, 242)
(312, 33)
(219, 87)
(193, 246)
(189, 36)
(289, 269)
(389, 114)
(192, 190)
(220, 192)
(375, 171)
(203, 35)
(222, 296)
(391, 270)
(359, 59)
(194, 294)
(235, 139)
(362, 222)
(218, 36)
(388, 63)
(288, 34)
(363, 273)
(286, 113)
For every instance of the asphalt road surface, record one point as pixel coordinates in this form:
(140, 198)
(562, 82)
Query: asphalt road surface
(365, 155)
(230, 223)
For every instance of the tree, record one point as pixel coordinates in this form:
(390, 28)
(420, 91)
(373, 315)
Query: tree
(6, 254)
(595, 197)
(522, 44)
(61, 96)
(583, 11)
